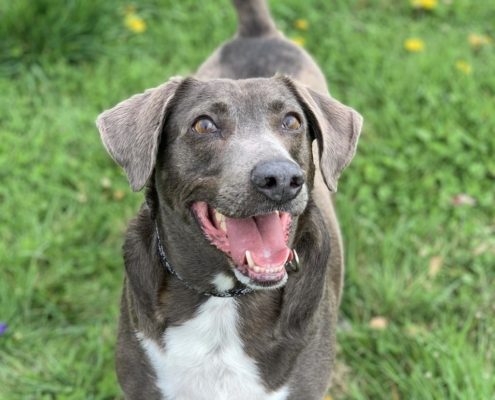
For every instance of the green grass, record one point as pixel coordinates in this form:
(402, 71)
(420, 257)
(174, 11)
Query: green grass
(429, 136)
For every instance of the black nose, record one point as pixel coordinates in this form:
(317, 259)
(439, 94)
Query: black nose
(279, 180)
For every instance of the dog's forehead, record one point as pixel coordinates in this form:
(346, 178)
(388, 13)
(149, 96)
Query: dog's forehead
(243, 94)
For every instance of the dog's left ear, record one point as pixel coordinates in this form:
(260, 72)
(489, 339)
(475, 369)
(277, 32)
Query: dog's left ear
(131, 131)
(335, 126)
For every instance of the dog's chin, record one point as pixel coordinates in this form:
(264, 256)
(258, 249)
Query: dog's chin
(256, 284)
(256, 246)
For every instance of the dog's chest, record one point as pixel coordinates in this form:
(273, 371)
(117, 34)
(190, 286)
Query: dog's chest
(204, 359)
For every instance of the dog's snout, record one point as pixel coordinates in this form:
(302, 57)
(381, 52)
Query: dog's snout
(279, 180)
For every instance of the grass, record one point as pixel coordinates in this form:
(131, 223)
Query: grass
(418, 255)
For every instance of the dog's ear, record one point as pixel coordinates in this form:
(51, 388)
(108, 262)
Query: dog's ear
(131, 131)
(335, 126)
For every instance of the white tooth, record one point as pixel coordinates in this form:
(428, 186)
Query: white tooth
(256, 269)
(296, 257)
(221, 220)
(278, 213)
(249, 258)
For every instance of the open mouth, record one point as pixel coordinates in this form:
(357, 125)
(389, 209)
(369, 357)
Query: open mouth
(256, 245)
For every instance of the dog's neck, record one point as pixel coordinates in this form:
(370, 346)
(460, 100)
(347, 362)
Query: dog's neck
(236, 291)
(200, 269)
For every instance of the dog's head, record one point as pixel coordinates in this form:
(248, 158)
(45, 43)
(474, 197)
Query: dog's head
(237, 156)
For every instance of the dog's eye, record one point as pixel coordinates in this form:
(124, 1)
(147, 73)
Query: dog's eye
(204, 125)
(291, 122)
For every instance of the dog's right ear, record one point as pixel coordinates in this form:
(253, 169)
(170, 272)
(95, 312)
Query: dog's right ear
(131, 131)
(335, 127)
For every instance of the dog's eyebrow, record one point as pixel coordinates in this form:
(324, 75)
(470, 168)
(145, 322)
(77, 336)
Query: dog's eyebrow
(276, 106)
(219, 108)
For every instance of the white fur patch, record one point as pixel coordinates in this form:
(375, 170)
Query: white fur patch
(223, 282)
(204, 358)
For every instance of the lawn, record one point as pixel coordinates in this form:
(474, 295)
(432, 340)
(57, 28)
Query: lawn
(416, 206)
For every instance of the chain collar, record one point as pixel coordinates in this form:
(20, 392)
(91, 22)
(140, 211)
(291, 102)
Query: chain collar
(235, 292)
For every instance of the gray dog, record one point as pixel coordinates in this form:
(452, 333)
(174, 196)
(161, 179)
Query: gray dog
(234, 263)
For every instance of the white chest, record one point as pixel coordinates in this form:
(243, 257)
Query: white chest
(204, 358)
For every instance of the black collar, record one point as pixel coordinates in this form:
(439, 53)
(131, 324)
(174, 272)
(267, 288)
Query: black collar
(234, 292)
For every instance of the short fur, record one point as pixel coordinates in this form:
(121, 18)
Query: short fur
(289, 333)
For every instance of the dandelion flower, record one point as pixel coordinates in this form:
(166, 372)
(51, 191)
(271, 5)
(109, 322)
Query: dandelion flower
(477, 41)
(135, 23)
(299, 41)
(424, 4)
(414, 45)
(301, 24)
(463, 66)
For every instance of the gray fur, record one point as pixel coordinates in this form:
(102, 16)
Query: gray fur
(131, 130)
(337, 128)
(289, 332)
(254, 18)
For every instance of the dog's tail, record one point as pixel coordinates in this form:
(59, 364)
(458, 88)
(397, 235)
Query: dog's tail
(254, 18)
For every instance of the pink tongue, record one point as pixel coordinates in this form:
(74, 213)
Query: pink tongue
(262, 235)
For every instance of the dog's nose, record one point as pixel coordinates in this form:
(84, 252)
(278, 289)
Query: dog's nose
(279, 180)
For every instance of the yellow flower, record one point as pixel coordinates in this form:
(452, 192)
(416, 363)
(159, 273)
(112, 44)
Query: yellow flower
(414, 45)
(424, 4)
(135, 23)
(301, 24)
(463, 66)
(298, 40)
(328, 397)
(476, 41)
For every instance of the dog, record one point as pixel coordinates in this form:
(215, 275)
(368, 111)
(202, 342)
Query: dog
(234, 263)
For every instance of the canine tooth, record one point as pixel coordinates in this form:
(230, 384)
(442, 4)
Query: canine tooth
(293, 265)
(278, 213)
(221, 220)
(295, 261)
(296, 257)
(249, 258)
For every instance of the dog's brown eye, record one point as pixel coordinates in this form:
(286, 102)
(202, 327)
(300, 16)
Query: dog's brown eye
(291, 122)
(205, 125)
